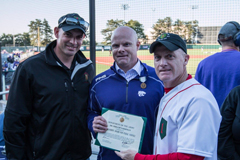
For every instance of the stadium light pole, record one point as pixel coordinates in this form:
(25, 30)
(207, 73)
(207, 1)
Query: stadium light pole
(38, 40)
(13, 41)
(150, 37)
(153, 9)
(193, 7)
(124, 7)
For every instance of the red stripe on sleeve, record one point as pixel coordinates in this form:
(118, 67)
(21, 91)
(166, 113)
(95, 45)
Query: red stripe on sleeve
(170, 156)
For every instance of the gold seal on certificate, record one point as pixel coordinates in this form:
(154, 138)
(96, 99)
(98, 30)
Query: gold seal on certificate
(125, 131)
(121, 119)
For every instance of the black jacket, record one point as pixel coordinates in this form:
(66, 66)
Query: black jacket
(46, 117)
(228, 138)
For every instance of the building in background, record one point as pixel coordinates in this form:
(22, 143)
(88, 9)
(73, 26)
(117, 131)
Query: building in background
(208, 35)
(205, 35)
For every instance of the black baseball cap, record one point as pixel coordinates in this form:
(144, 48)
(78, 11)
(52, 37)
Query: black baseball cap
(170, 41)
(72, 21)
(229, 30)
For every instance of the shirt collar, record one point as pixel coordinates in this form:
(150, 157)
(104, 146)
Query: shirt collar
(169, 89)
(137, 68)
(227, 50)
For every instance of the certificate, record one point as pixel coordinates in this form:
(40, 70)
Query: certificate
(125, 131)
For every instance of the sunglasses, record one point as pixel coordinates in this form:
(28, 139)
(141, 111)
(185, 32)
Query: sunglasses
(73, 21)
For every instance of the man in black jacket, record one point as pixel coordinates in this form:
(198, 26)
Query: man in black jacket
(45, 117)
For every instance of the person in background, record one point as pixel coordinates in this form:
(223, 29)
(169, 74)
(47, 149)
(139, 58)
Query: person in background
(129, 86)
(5, 67)
(188, 117)
(110, 51)
(102, 48)
(15, 64)
(46, 112)
(220, 72)
(228, 138)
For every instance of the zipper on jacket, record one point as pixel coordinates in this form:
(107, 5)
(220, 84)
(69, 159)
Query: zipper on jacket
(73, 86)
(66, 86)
(34, 154)
(127, 93)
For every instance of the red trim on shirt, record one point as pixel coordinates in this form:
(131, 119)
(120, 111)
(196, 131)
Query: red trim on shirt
(169, 89)
(171, 99)
(177, 94)
(189, 77)
(170, 156)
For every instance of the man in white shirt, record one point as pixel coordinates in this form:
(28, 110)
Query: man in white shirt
(188, 117)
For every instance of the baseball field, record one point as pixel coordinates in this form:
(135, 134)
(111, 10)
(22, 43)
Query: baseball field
(104, 60)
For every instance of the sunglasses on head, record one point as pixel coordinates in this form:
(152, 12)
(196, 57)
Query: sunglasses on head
(73, 21)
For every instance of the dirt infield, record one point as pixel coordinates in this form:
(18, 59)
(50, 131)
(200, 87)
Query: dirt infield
(109, 60)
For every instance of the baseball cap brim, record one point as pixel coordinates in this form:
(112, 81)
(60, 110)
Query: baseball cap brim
(68, 28)
(170, 46)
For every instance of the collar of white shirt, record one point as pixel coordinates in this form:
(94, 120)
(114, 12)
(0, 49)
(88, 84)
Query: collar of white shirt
(132, 73)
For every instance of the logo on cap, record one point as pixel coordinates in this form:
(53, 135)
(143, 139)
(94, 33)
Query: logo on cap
(78, 18)
(163, 36)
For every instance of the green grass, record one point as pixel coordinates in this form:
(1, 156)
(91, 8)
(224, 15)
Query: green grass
(101, 67)
(191, 67)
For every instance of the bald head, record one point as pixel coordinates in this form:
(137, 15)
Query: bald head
(124, 47)
(125, 30)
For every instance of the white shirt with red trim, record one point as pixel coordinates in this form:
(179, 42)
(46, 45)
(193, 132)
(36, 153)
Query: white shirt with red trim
(188, 121)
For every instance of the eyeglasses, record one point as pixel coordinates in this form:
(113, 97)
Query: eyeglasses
(73, 21)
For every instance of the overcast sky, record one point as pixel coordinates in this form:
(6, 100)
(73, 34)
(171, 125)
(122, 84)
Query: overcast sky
(15, 15)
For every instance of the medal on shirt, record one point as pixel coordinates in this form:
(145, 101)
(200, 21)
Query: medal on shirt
(143, 80)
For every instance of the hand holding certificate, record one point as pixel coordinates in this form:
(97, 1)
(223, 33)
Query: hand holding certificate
(125, 131)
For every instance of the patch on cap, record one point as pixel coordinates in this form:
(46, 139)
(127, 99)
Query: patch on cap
(162, 36)
(170, 41)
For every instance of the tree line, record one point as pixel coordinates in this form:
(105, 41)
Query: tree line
(186, 29)
(37, 27)
(38, 30)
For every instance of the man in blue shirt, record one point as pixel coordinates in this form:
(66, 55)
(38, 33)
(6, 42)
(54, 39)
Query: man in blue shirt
(129, 86)
(220, 72)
